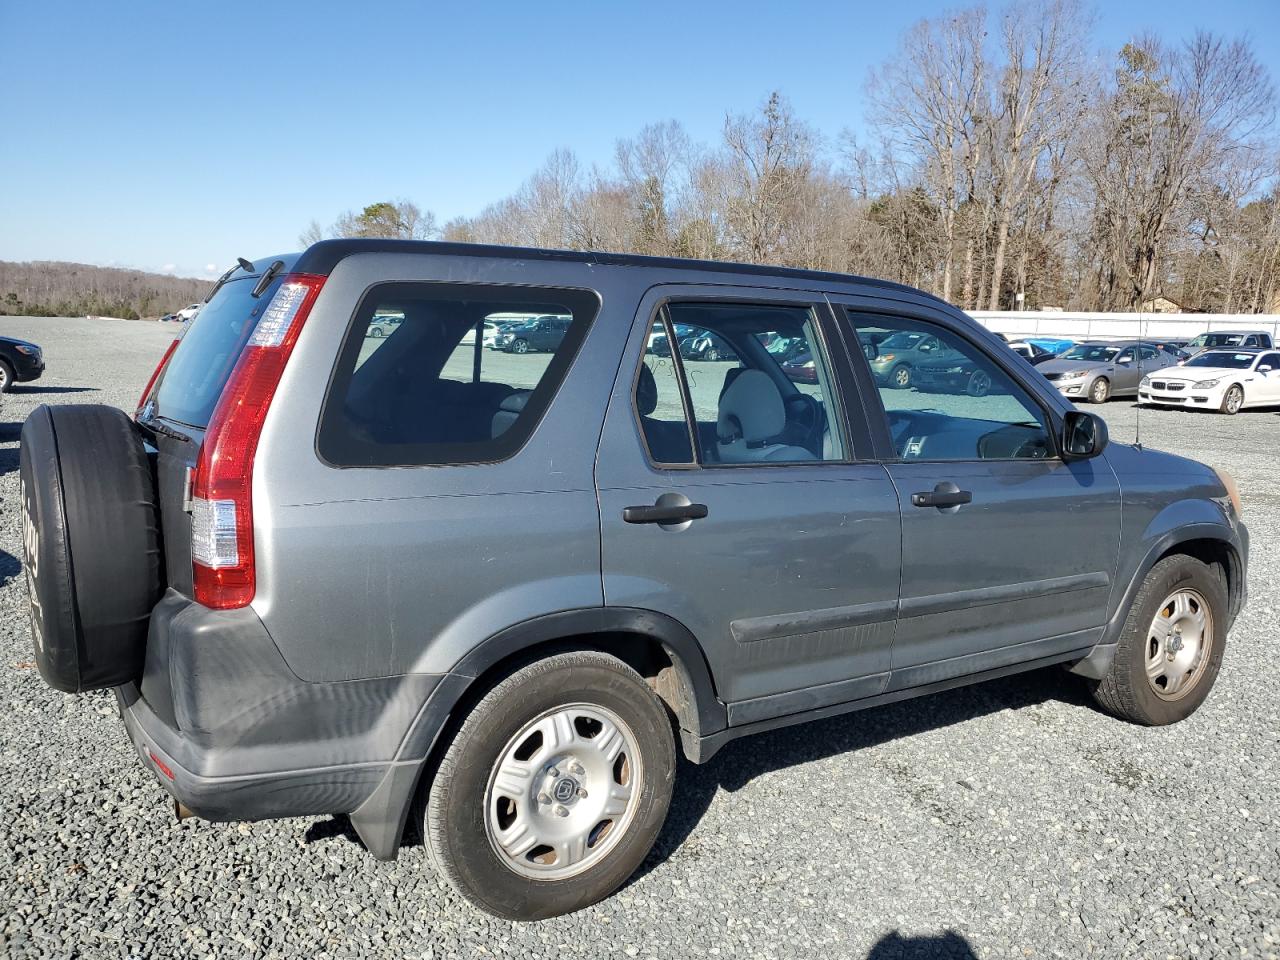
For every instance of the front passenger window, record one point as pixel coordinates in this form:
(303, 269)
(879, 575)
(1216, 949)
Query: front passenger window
(952, 402)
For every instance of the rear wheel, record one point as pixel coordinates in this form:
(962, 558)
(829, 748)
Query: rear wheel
(1171, 647)
(1232, 400)
(6, 376)
(1100, 392)
(553, 789)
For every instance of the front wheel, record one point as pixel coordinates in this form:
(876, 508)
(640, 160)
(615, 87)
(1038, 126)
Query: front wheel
(979, 384)
(1170, 649)
(520, 346)
(1232, 400)
(900, 377)
(1100, 392)
(554, 788)
(6, 376)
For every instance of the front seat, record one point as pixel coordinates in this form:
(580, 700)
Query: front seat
(751, 417)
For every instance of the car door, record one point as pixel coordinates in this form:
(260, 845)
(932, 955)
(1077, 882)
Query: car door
(1008, 552)
(1126, 372)
(1267, 381)
(775, 544)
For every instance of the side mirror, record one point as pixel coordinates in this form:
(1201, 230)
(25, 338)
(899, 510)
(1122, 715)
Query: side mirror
(870, 351)
(1084, 435)
(1265, 368)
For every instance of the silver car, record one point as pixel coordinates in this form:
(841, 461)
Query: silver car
(1097, 370)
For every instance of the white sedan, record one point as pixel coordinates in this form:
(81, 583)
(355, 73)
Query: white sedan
(1224, 380)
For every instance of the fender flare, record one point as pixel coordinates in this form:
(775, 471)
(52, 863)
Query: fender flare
(380, 819)
(1096, 664)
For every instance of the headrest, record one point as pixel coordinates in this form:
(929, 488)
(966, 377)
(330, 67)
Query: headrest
(646, 391)
(516, 402)
(751, 409)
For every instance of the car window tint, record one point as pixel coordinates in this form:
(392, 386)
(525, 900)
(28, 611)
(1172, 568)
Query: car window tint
(758, 379)
(417, 384)
(954, 403)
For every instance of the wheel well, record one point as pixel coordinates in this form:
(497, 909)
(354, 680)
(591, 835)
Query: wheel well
(661, 668)
(1215, 553)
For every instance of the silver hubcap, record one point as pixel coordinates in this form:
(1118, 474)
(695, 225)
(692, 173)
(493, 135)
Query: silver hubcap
(902, 377)
(1099, 390)
(1178, 644)
(563, 792)
(1234, 398)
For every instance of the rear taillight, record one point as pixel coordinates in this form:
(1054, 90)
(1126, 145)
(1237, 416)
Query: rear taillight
(151, 384)
(222, 489)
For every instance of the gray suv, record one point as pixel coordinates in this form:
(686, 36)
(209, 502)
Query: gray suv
(489, 596)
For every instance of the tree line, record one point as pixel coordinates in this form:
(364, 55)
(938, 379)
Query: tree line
(1005, 165)
(47, 288)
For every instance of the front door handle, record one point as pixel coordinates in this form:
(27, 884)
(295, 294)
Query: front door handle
(665, 513)
(945, 494)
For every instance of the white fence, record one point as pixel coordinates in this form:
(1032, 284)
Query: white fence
(1085, 326)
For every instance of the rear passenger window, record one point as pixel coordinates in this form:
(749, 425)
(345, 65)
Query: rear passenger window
(756, 377)
(436, 374)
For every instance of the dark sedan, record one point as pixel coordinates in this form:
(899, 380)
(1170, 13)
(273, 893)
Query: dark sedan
(20, 362)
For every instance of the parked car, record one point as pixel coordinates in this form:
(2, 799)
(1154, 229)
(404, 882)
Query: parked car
(954, 371)
(500, 608)
(1054, 345)
(20, 362)
(539, 334)
(1237, 339)
(189, 311)
(1029, 351)
(1098, 370)
(800, 368)
(707, 346)
(1222, 380)
(489, 335)
(384, 325)
(898, 355)
(660, 346)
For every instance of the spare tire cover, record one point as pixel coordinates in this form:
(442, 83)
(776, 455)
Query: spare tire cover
(91, 545)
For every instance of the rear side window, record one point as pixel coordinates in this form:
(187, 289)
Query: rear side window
(441, 373)
(210, 347)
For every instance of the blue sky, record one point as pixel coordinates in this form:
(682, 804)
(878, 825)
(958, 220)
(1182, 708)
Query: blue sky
(179, 135)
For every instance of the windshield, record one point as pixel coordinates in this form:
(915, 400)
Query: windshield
(1217, 340)
(1096, 352)
(901, 341)
(208, 351)
(1236, 361)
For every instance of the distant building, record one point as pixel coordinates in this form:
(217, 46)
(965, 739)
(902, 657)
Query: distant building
(1162, 304)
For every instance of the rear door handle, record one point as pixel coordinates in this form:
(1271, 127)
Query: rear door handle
(665, 513)
(945, 494)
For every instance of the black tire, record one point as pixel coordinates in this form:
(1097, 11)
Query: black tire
(6, 376)
(1232, 400)
(979, 384)
(452, 807)
(91, 545)
(1100, 390)
(712, 355)
(1125, 691)
(900, 377)
(520, 346)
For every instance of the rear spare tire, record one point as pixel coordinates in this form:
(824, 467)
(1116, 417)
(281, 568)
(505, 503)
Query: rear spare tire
(91, 545)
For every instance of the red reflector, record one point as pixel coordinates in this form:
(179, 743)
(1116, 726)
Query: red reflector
(160, 764)
(164, 362)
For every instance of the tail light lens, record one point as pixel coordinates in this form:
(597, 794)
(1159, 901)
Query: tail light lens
(155, 376)
(222, 490)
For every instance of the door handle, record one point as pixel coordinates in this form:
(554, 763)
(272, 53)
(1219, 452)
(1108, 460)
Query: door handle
(665, 513)
(945, 494)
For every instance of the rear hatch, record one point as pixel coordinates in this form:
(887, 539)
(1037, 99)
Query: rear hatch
(180, 406)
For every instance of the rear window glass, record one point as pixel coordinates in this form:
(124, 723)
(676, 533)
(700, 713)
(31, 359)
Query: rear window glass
(434, 373)
(210, 346)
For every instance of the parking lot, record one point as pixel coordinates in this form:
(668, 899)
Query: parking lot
(1009, 819)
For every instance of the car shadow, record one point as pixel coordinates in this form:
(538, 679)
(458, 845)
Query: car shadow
(47, 388)
(10, 567)
(742, 761)
(947, 946)
(10, 432)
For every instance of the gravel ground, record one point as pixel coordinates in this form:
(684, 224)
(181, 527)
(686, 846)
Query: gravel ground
(1009, 819)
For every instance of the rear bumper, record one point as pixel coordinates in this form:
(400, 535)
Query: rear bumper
(233, 734)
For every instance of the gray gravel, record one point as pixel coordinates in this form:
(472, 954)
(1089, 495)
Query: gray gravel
(1009, 819)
